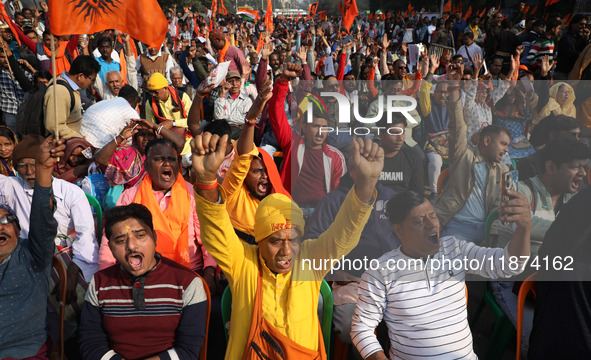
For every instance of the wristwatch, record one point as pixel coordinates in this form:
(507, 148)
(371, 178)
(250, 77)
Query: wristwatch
(173, 123)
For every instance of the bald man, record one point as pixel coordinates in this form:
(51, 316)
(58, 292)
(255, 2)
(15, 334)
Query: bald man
(114, 82)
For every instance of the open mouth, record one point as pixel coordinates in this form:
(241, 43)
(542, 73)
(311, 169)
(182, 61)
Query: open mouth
(4, 239)
(167, 175)
(263, 187)
(284, 264)
(434, 238)
(135, 261)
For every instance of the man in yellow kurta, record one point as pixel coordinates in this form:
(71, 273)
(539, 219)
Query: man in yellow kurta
(251, 176)
(289, 289)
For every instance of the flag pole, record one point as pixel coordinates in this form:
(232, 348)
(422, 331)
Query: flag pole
(54, 70)
(4, 45)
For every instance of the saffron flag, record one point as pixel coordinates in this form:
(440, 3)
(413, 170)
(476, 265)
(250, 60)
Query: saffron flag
(269, 17)
(91, 16)
(551, 2)
(534, 10)
(223, 10)
(410, 8)
(312, 10)
(459, 7)
(322, 15)
(468, 13)
(447, 6)
(350, 13)
(214, 9)
(260, 43)
(4, 16)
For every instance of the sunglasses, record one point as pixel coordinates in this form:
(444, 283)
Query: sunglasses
(8, 219)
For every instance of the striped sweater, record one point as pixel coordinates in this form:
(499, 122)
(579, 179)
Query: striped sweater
(160, 313)
(541, 47)
(424, 309)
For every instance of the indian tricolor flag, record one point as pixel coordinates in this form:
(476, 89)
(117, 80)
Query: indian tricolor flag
(248, 14)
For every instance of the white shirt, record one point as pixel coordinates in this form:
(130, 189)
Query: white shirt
(73, 213)
(105, 120)
(132, 78)
(424, 309)
(232, 110)
(471, 50)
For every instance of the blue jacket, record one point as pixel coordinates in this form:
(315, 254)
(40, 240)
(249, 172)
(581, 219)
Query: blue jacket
(24, 283)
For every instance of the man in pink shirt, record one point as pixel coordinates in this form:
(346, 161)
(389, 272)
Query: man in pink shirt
(162, 166)
(226, 52)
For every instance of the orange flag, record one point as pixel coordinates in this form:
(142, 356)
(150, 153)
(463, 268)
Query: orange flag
(350, 13)
(468, 13)
(214, 9)
(269, 17)
(410, 8)
(223, 10)
(567, 18)
(260, 43)
(551, 2)
(312, 9)
(129, 16)
(4, 16)
(534, 10)
(459, 8)
(322, 15)
(482, 13)
(447, 6)
(525, 9)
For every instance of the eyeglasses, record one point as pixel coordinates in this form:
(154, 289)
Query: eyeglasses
(93, 79)
(8, 219)
(401, 67)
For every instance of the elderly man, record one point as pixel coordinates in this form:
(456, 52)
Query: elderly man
(25, 265)
(72, 210)
(155, 61)
(233, 103)
(166, 194)
(226, 52)
(109, 89)
(156, 309)
(423, 304)
(176, 80)
(167, 106)
(266, 279)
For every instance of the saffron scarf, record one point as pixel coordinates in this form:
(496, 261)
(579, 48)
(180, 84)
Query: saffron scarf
(172, 224)
(223, 51)
(61, 61)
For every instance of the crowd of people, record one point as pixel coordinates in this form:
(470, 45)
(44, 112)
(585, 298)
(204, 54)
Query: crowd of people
(225, 159)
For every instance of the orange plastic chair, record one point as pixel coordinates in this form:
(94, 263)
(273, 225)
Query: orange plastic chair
(203, 352)
(528, 285)
(444, 174)
(63, 276)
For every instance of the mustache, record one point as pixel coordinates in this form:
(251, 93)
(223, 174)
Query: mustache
(132, 253)
(5, 234)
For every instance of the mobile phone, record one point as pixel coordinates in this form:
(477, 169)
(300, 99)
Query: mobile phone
(510, 182)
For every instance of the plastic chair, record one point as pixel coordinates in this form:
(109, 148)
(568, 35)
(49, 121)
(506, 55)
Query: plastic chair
(503, 328)
(94, 203)
(203, 352)
(325, 322)
(444, 174)
(63, 276)
(528, 285)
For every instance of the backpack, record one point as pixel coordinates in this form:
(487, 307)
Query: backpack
(30, 119)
